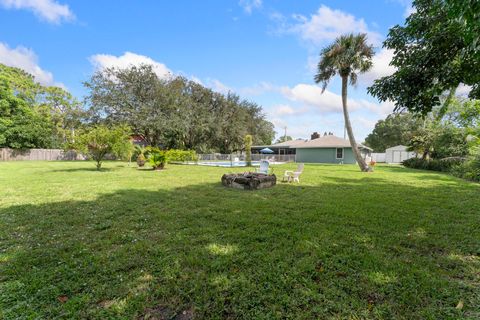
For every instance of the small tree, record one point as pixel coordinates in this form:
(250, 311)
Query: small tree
(248, 150)
(101, 140)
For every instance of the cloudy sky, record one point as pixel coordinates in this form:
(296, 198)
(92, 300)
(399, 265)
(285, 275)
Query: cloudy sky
(264, 50)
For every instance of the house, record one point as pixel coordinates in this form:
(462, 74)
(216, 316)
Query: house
(287, 147)
(138, 140)
(320, 149)
(328, 149)
(398, 154)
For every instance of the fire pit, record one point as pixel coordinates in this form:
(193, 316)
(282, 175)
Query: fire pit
(249, 180)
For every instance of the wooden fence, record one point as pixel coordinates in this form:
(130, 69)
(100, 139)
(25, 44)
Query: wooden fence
(7, 154)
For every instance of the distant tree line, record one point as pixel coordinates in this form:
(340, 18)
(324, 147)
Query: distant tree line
(175, 112)
(167, 113)
(439, 134)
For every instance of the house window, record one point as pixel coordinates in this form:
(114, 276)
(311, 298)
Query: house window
(339, 153)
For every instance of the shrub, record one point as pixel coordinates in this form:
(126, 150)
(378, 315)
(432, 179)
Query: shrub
(157, 158)
(141, 160)
(181, 155)
(443, 165)
(469, 169)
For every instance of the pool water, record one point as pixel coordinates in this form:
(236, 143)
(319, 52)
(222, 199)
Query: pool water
(227, 163)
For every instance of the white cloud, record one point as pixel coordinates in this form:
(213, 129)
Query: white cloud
(26, 59)
(312, 95)
(381, 67)
(287, 110)
(327, 24)
(409, 8)
(218, 86)
(365, 123)
(49, 10)
(329, 102)
(283, 109)
(249, 5)
(128, 59)
(258, 89)
(279, 123)
(197, 80)
(381, 109)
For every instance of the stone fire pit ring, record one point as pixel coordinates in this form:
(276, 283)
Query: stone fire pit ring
(249, 180)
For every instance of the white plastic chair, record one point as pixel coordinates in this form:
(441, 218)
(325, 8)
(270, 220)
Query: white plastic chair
(293, 175)
(263, 167)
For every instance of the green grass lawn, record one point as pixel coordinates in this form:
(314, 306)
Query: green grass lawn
(127, 243)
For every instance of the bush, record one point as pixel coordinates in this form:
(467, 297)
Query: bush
(469, 169)
(141, 160)
(181, 155)
(443, 165)
(157, 158)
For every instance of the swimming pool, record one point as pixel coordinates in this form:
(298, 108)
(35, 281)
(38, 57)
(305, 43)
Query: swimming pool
(227, 163)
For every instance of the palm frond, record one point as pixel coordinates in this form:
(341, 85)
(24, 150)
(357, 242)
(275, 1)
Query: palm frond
(349, 55)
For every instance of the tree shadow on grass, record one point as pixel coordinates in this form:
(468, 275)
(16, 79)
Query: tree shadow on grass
(93, 169)
(342, 249)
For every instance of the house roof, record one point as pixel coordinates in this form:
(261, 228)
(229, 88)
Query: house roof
(286, 144)
(329, 141)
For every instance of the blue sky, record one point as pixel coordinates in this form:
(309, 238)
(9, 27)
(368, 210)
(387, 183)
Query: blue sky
(264, 50)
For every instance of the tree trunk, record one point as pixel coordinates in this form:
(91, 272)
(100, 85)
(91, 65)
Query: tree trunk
(356, 152)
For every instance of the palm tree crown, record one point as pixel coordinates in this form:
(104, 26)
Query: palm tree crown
(348, 55)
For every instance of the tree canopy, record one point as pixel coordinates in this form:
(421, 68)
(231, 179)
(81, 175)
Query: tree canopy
(396, 129)
(175, 112)
(436, 51)
(32, 115)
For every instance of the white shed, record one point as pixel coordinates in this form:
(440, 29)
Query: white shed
(398, 154)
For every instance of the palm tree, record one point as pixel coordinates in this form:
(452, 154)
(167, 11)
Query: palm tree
(348, 55)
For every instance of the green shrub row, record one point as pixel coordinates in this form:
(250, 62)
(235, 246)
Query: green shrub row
(460, 167)
(175, 155)
(470, 169)
(443, 165)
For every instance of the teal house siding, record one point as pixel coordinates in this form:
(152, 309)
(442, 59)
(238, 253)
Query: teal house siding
(324, 155)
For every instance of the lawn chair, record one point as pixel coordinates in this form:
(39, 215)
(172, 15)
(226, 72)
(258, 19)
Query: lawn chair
(294, 176)
(263, 167)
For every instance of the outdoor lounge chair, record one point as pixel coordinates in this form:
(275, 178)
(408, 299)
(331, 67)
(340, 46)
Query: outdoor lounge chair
(263, 167)
(294, 176)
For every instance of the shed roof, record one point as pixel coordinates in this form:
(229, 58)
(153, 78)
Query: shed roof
(397, 148)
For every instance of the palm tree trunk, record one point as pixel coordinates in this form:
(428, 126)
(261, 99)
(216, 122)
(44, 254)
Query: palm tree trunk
(361, 162)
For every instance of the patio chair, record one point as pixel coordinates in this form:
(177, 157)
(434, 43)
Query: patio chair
(263, 167)
(294, 176)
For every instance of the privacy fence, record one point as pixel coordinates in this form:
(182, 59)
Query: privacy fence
(7, 154)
